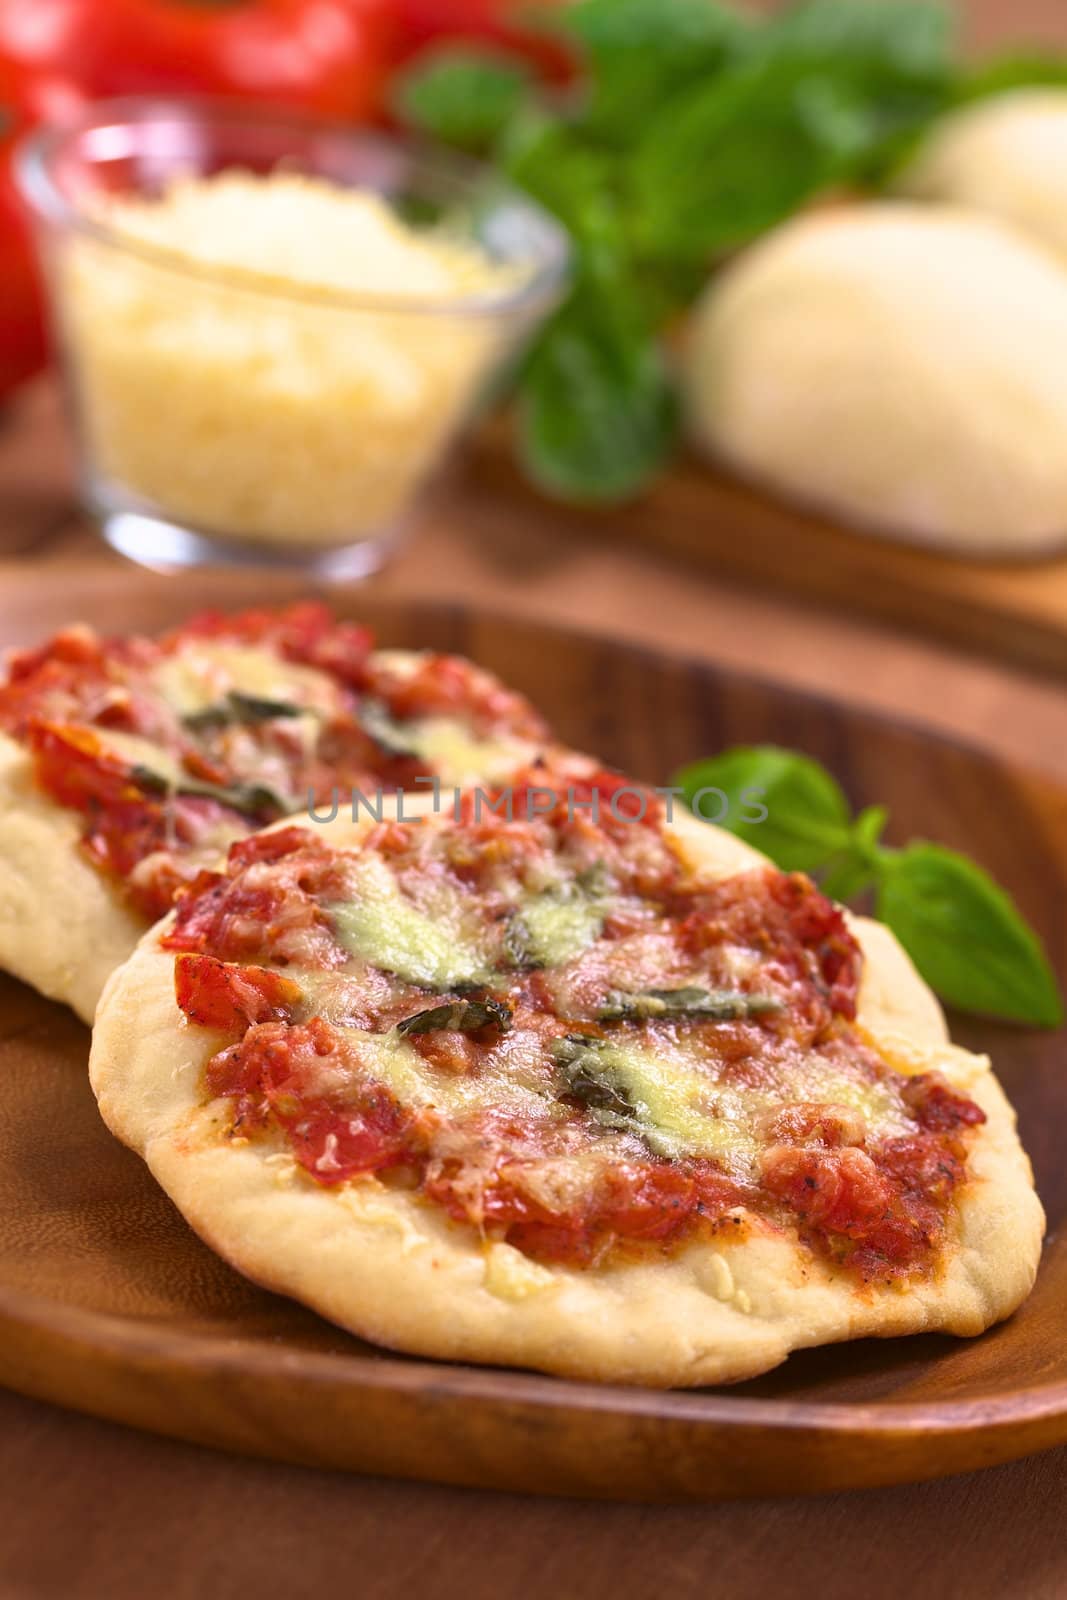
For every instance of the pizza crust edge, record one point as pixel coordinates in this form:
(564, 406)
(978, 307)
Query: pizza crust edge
(394, 1270)
(68, 955)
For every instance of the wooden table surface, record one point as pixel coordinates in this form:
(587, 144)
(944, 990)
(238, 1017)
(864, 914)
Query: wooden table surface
(89, 1509)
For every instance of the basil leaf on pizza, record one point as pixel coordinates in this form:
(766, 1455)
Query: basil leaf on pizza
(467, 1016)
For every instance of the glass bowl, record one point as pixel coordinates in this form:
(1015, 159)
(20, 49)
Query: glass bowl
(238, 412)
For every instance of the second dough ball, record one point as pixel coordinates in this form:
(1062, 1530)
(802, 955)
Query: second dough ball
(902, 367)
(1006, 156)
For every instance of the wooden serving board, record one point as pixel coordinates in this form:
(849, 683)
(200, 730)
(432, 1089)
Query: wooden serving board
(109, 1304)
(1016, 611)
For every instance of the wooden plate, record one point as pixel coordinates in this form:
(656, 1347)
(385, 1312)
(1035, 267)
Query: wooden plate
(108, 1303)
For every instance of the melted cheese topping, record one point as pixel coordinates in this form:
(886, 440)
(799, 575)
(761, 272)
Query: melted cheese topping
(451, 749)
(439, 945)
(141, 752)
(199, 678)
(556, 926)
(201, 675)
(681, 1110)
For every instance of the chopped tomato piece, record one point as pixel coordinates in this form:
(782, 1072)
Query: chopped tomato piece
(273, 1072)
(881, 1211)
(76, 769)
(784, 918)
(835, 1191)
(218, 995)
(305, 632)
(272, 846)
(242, 915)
(632, 1202)
(449, 686)
(334, 1145)
(938, 1106)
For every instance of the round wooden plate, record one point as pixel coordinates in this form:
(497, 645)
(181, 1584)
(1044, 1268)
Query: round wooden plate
(108, 1303)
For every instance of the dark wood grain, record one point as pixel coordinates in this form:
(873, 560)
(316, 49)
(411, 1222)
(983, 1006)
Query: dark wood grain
(96, 1512)
(108, 1302)
(105, 1513)
(1014, 610)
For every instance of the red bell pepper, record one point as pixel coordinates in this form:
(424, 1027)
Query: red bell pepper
(328, 57)
(24, 101)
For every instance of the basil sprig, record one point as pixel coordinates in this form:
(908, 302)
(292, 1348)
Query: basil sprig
(964, 933)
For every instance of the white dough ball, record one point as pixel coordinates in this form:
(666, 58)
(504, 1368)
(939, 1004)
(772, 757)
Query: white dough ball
(1007, 156)
(902, 367)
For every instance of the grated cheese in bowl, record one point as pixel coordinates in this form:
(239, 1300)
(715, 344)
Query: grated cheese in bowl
(272, 360)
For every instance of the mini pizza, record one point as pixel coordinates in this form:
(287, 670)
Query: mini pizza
(128, 764)
(562, 1084)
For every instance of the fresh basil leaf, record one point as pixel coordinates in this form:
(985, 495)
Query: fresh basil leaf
(966, 936)
(846, 876)
(871, 75)
(840, 120)
(905, 38)
(642, 52)
(613, 29)
(823, 94)
(807, 817)
(560, 164)
(596, 411)
(869, 827)
(464, 96)
(555, 163)
(853, 871)
(726, 160)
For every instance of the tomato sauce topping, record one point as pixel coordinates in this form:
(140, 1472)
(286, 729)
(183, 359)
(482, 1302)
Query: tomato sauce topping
(680, 1059)
(241, 764)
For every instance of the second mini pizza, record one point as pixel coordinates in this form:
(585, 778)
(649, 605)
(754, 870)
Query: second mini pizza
(127, 764)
